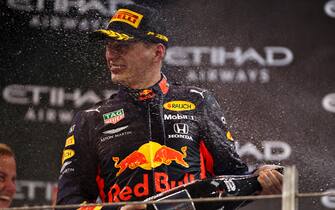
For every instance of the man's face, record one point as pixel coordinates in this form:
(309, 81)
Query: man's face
(129, 61)
(7, 180)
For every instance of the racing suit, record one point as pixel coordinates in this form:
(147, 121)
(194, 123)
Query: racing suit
(139, 143)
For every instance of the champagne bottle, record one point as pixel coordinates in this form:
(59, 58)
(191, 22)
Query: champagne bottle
(219, 186)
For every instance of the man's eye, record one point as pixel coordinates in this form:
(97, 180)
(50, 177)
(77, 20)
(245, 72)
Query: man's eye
(2, 178)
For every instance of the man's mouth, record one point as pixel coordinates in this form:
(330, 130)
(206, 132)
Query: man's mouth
(116, 68)
(5, 198)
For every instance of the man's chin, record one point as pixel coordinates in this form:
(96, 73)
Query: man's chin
(117, 79)
(4, 203)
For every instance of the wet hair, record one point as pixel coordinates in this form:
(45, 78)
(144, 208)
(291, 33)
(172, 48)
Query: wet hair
(6, 150)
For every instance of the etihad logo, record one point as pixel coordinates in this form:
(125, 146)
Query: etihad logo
(127, 16)
(328, 102)
(66, 14)
(221, 56)
(270, 150)
(69, 141)
(149, 156)
(330, 8)
(113, 117)
(47, 104)
(329, 200)
(67, 154)
(179, 106)
(229, 65)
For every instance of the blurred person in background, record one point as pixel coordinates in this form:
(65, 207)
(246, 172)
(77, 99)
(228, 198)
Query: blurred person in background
(7, 176)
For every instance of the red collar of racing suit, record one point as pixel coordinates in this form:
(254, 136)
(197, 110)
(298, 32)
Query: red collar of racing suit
(160, 88)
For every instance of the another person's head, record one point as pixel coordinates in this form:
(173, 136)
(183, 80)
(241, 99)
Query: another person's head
(7, 176)
(136, 42)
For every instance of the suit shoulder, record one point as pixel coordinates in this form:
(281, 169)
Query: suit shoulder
(101, 105)
(188, 88)
(193, 91)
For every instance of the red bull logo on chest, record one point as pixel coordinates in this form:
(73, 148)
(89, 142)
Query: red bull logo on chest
(149, 156)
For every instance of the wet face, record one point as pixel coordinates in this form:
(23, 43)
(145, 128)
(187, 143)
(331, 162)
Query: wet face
(129, 62)
(7, 180)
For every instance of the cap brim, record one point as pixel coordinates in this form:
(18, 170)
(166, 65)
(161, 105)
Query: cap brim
(104, 34)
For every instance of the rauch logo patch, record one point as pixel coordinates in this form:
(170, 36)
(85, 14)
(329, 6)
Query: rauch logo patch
(179, 106)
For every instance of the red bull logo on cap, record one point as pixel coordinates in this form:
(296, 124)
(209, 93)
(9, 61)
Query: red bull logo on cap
(149, 156)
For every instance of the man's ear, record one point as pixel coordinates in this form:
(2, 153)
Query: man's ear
(160, 51)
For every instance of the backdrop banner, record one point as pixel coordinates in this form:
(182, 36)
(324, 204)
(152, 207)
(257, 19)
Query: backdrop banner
(270, 63)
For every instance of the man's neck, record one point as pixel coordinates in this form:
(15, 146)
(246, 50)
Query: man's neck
(147, 81)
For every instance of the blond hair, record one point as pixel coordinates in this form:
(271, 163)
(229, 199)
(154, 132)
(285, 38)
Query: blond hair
(6, 150)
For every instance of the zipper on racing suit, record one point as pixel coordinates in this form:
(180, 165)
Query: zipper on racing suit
(150, 107)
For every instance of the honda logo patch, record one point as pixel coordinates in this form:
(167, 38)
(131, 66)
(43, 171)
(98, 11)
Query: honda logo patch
(181, 128)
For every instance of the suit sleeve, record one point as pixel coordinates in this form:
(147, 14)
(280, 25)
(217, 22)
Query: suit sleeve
(77, 180)
(218, 140)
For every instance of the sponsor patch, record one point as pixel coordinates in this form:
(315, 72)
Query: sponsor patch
(113, 117)
(178, 136)
(149, 156)
(116, 130)
(161, 181)
(64, 166)
(72, 129)
(68, 153)
(179, 117)
(127, 16)
(181, 128)
(179, 106)
(69, 141)
(117, 135)
(229, 136)
(199, 92)
(146, 94)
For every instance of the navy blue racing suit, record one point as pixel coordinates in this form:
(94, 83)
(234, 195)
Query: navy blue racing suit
(138, 143)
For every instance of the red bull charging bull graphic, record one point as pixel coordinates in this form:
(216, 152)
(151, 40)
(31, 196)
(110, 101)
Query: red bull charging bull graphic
(151, 155)
(147, 157)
